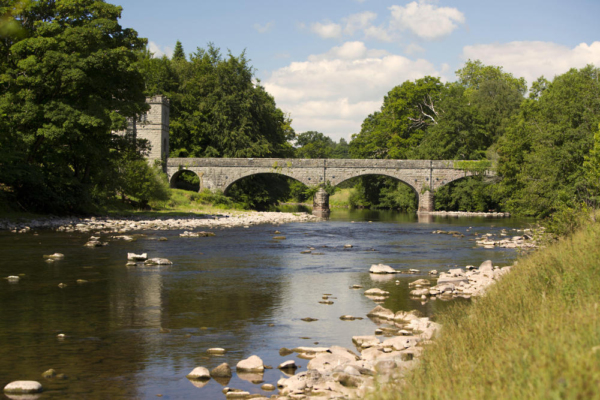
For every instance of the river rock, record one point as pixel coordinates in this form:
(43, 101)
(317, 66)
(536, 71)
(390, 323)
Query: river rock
(268, 387)
(420, 282)
(454, 276)
(55, 256)
(13, 278)
(49, 374)
(376, 292)
(365, 341)
(381, 312)
(199, 373)
(216, 350)
(309, 319)
(290, 364)
(158, 261)
(221, 371)
(486, 266)
(137, 257)
(196, 234)
(235, 394)
(382, 269)
(251, 364)
(420, 292)
(23, 387)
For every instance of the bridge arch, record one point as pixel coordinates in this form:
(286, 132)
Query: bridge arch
(174, 178)
(231, 181)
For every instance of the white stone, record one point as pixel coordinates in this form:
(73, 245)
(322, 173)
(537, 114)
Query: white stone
(251, 364)
(382, 269)
(137, 257)
(376, 292)
(24, 387)
(199, 373)
(290, 364)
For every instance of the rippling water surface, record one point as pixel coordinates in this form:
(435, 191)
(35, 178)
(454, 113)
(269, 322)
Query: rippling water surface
(136, 332)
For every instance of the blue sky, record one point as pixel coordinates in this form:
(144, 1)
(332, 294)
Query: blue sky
(329, 63)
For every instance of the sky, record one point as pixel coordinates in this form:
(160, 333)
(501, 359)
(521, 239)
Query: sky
(329, 63)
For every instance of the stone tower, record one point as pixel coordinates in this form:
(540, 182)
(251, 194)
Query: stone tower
(154, 127)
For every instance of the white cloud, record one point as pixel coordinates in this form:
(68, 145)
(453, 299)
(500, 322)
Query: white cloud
(327, 30)
(160, 51)
(358, 22)
(532, 59)
(349, 51)
(264, 28)
(334, 92)
(413, 48)
(426, 20)
(378, 33)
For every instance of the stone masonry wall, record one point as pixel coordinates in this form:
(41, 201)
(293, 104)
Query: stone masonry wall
(423, 176)
(154, 127)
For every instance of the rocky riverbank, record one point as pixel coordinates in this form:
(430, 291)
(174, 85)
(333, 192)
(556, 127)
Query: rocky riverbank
(137, 223)
(398, 341)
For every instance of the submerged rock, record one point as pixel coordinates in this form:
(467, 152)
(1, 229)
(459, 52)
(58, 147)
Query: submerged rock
(55, 256)
(158, 261)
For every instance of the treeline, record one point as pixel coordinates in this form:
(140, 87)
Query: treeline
(538, 137)
(71, 77)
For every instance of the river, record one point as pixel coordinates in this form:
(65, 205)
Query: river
(136, 332)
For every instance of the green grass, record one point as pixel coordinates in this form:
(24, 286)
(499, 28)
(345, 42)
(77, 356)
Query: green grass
(341, 198)
(535, 335)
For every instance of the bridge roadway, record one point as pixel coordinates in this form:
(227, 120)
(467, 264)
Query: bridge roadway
(423, 176)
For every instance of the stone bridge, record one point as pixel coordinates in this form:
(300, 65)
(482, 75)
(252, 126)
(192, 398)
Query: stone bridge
(423, 176)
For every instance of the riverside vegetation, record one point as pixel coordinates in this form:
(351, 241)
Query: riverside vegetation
(535, 334)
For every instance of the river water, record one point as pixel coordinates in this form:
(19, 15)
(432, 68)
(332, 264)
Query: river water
(136, 332)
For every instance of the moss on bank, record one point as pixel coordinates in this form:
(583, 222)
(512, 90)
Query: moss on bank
(535, 335)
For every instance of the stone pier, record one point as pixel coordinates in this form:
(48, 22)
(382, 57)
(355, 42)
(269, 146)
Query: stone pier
(321, 203)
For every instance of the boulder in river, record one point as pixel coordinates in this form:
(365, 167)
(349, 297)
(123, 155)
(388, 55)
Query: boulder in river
(221, 371)
(137, 257)
(381, 312)
(216, 350)
(382, 269)
(290, 364)
(199, 373)
(23, 387)
(251, 364)
(376, 292)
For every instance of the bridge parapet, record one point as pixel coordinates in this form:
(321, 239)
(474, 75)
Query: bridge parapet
(423, 176)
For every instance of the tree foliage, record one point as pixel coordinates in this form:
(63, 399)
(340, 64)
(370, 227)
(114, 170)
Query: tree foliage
(314, 144)
(68, 80)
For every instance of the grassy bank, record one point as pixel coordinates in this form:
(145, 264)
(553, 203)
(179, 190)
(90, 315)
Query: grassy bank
(341, 198)
(535, 335)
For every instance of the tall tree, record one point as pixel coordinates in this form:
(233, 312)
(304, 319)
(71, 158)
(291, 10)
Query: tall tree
(68, 81)
(543, 152)
(178, 53)
(398, 128)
